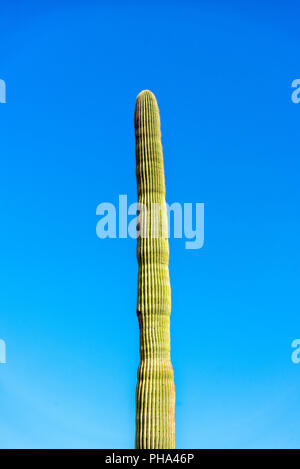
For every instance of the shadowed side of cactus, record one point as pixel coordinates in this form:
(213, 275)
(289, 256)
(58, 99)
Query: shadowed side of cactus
(155, 392)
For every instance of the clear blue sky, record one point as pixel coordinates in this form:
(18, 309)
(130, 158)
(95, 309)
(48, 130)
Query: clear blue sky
(222, 73)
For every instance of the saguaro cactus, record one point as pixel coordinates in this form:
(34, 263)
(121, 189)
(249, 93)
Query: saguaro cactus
(155, 392)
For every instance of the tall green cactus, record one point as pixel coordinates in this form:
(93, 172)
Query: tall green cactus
(155, 392)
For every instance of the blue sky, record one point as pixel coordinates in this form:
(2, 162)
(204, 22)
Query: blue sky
(222, 74)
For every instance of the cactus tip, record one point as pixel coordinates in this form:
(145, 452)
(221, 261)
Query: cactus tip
(145, 93)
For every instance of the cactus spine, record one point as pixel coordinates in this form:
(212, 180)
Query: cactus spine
(155, 392)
